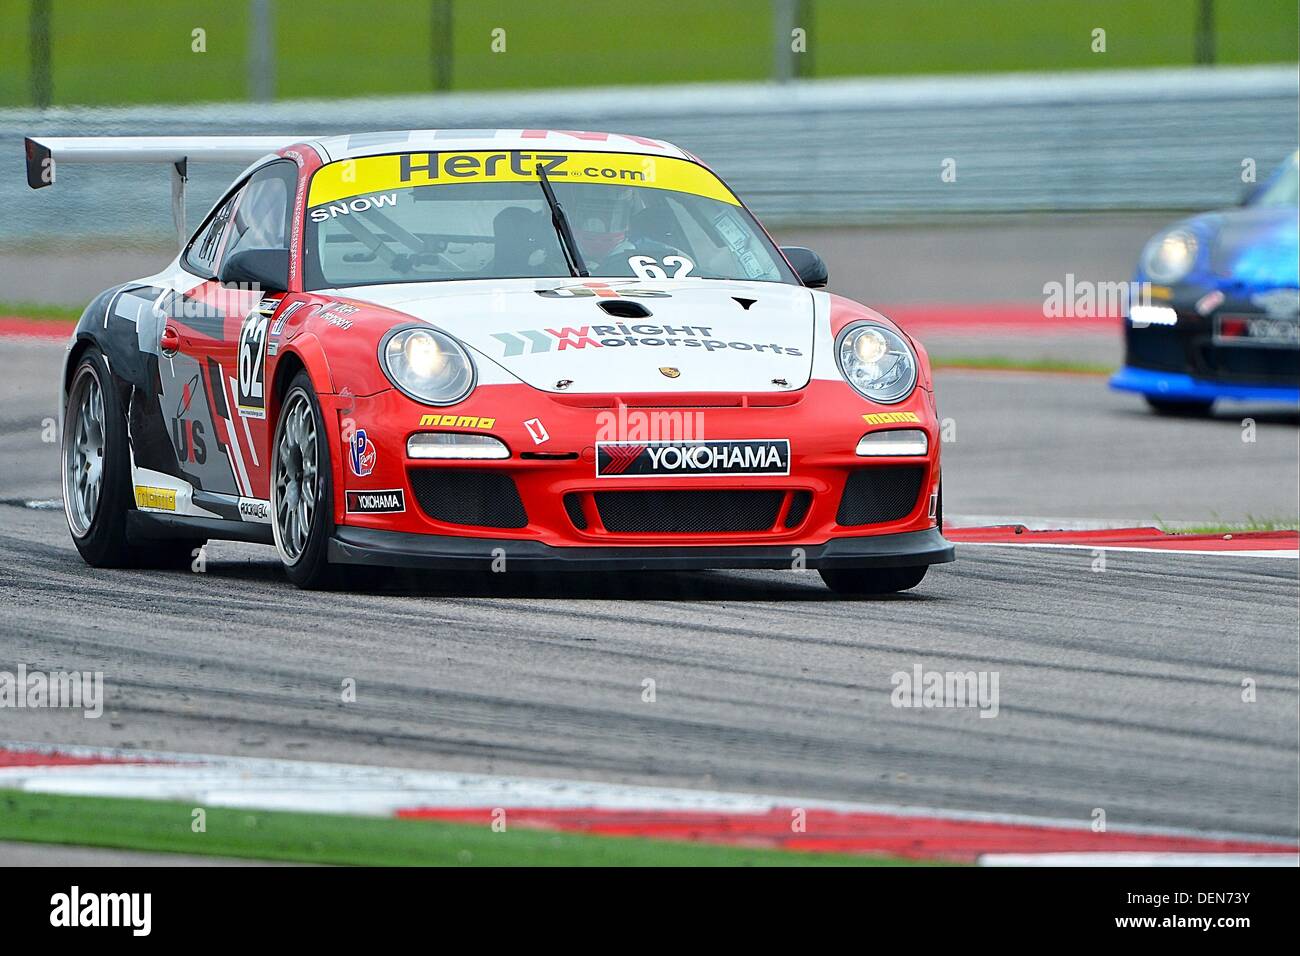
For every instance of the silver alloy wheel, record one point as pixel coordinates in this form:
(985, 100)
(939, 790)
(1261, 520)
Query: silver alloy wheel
(294, 485)
(83, 453)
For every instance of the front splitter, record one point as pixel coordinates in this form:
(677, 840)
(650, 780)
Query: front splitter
(441, 552)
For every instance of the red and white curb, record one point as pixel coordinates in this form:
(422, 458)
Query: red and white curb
(739, 819)
(1244, 544)
(52, 330)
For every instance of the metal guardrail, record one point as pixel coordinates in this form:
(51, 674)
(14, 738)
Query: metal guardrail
(815, 152)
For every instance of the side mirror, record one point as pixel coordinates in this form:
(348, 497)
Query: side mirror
(267, 268)
(808, 265)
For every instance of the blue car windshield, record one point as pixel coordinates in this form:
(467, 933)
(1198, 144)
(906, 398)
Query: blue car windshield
(1284, 190)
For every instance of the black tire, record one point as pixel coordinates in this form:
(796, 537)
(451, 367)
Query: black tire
(865, 582)
(1173, 409)
(305, 560)
(102, 540)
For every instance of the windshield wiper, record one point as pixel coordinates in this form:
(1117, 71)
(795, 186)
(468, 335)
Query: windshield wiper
(561, 222)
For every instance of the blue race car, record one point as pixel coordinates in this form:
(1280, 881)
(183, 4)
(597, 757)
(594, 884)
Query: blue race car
(1223, 316)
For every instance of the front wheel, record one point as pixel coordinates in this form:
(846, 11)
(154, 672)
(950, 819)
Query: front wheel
(301, 489)
(853, 582)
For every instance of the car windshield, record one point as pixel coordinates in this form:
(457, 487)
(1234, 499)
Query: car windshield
(1284, 190)
(421, 217)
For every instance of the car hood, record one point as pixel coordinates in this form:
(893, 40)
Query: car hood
(700, 335)
(1257, 247)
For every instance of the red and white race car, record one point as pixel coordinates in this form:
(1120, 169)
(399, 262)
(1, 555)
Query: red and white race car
(491, 349)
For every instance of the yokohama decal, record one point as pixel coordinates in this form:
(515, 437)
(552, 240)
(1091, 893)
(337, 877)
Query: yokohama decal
(376, 502)
(769, 456)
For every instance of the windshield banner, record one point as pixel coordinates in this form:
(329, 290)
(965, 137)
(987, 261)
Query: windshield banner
(370, 174)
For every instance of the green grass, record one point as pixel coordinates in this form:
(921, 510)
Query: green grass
(139, 51)
(165, 827)
(32, 310)
(1001, 35)
(1001, 363)
(1232, 527)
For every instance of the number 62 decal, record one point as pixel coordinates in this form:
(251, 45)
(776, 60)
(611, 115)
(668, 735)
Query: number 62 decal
(251, 359)
(647, 268)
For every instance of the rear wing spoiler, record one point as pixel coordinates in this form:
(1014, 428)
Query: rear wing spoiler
(46, 152)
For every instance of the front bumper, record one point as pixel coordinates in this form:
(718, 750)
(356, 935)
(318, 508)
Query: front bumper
(1178, 387)
(439, 552)
(548, 492)
(1209, 351)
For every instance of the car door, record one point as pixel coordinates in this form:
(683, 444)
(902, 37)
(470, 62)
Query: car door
(213, 381)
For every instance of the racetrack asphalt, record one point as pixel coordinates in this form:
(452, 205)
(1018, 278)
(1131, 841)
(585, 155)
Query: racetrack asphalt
(1119, 690)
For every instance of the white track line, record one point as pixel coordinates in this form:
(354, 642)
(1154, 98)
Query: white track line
(1139, 859)
(1034, 523)
(1279, 553)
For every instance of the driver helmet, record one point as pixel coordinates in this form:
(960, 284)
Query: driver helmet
(599, 216)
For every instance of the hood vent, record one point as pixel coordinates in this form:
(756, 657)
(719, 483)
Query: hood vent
(624, 309)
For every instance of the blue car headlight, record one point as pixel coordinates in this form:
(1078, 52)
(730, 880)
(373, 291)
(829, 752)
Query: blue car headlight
(1170, 256)
(877, 362)
(427, 365)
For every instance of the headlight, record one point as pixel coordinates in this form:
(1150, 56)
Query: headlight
(427, 365)
(877, 362)
(1169, 256)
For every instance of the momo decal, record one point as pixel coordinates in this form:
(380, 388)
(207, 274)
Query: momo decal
(456, 421)
(689, 459)
(890, 418)
(376, 502)
(361, 454)
(533, 341)
(157, 499)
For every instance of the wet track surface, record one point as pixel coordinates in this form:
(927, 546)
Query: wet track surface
(1119, 690)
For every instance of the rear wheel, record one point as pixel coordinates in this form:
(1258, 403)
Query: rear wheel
(301, 489)
(1163, 406)
(97, 491)
(869, 581)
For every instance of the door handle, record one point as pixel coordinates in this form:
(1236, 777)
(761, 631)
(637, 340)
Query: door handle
(170, 340)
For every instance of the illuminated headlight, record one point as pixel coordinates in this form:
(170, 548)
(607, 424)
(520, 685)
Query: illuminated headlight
(444, 445)
(1169, 256)
(899, 441)
(1140, 316)
(428, 365)
(877, 362)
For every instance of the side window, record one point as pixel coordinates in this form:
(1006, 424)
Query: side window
(263, 210)
(201, 257)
